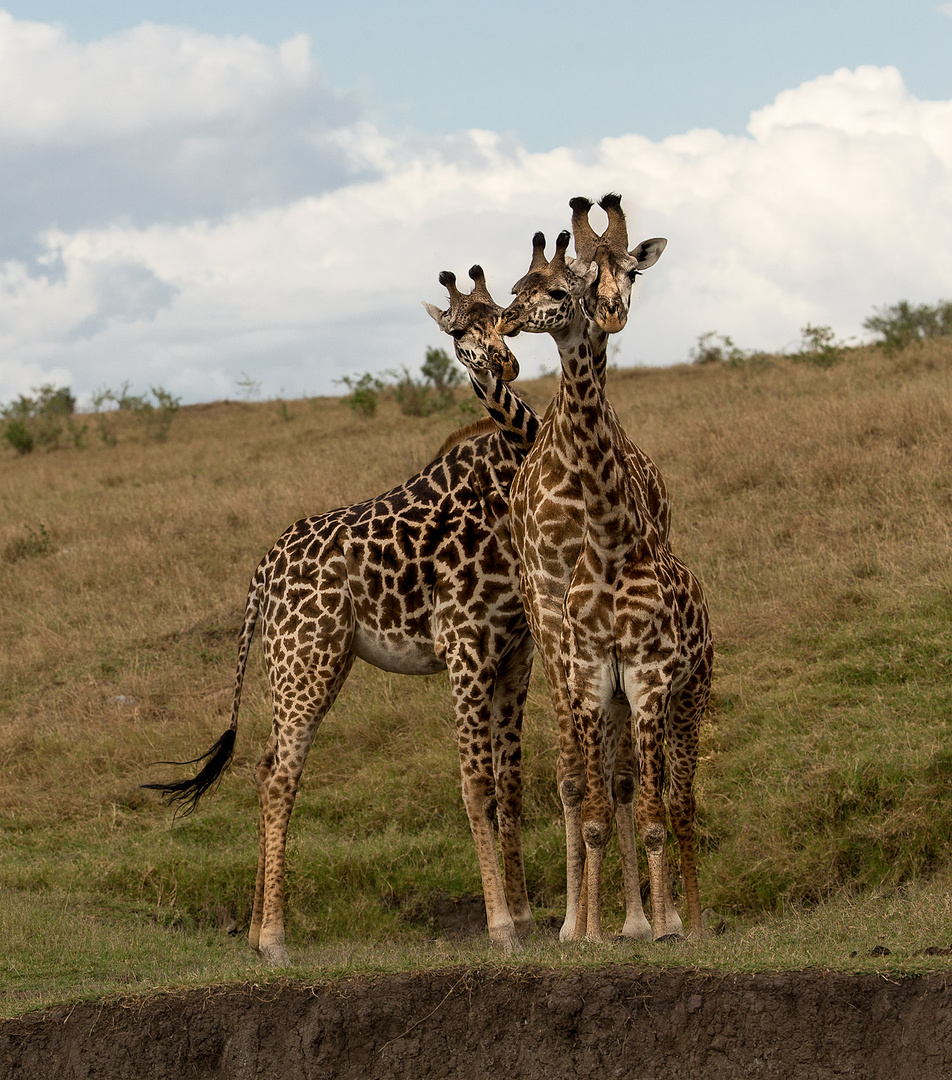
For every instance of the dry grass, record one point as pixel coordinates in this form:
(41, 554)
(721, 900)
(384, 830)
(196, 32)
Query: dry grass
(815, 503)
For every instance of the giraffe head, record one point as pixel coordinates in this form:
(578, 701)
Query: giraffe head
(547, 295)
(470, 320)
(605, 261)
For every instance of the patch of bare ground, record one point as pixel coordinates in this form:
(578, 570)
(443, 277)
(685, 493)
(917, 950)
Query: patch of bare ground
(522, 1024)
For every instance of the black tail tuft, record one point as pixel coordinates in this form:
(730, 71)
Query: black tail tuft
(188, 792)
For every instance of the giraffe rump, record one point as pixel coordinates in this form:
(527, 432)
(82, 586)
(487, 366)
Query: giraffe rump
(188, 792)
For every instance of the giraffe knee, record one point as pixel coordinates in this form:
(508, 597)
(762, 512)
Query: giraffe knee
(264, 768)
(624, 788)
(572, 792)
(596, 833)
(479, 797)
(653, 837)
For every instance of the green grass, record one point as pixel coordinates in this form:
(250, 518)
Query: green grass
(814, 503)
(76, 947)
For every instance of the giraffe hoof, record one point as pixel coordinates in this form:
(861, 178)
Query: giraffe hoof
(636, 931)
(274, 955)
(668, 938)
(506, 940)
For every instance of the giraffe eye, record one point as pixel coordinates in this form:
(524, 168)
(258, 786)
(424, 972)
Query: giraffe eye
(457, 335)
(558, 294)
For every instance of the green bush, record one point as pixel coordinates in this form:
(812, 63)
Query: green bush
(818, 346)
(111, 405)
(714, 348)
(40, 420)
(904, 324)
(416, 397)
(364, 392)
(19, 435)
(435, 392)
(440, 371)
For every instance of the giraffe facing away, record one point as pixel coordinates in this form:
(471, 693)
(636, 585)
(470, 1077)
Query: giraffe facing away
(621, 624)
(419, 579)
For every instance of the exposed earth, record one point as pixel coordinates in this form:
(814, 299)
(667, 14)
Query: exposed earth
(516, 1024)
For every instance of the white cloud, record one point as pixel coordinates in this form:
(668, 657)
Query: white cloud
(945, 9)
(160, 124)
(305, 257)
(52, 90)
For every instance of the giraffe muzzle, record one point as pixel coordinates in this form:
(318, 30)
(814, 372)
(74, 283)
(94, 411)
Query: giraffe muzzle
(509, 323)
(505, 366)
(611, 317)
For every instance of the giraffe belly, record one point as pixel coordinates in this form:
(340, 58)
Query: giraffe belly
(405, 656)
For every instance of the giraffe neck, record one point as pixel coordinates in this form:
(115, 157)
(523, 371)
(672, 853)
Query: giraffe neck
(516, 421)
(614, 515)
(583, 350)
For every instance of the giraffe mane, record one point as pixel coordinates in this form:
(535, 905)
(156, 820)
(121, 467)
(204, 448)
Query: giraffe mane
(478, 427)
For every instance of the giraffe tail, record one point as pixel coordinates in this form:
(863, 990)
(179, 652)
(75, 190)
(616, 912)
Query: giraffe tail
(186, 793)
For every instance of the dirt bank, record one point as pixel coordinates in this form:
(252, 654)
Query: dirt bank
(520, 1025)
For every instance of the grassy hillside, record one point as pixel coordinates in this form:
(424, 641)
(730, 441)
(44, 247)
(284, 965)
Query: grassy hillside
(814, 502)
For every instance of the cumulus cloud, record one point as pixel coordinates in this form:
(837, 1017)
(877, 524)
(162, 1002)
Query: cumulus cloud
(159, 124)
(286, 237)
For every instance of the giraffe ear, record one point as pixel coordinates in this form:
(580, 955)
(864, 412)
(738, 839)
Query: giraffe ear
(582, 274)
(648, 252)
(441, 318)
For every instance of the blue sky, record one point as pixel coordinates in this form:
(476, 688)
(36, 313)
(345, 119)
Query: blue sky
(531, 68)
(194, 193)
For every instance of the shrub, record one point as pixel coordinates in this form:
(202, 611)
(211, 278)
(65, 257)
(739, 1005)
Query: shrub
(714, 348)
(416, 397)
(436, 392)
(39, 421)
(818, 346)
(364, 392)
(904, 324)
(157, 417)
(19, 435)
(440, 371)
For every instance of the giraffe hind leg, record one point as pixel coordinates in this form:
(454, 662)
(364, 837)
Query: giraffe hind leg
(509, 696)
(625, 782)
(472, 684)
(263, 770)
(683, 735)
(649, 702)
(298, 712)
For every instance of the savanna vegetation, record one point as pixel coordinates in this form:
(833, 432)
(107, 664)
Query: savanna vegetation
(814, 499)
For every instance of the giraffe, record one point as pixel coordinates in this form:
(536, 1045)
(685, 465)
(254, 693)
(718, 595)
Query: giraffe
(495, 395)
(621, 625)
(419, 579)
(471, 321)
